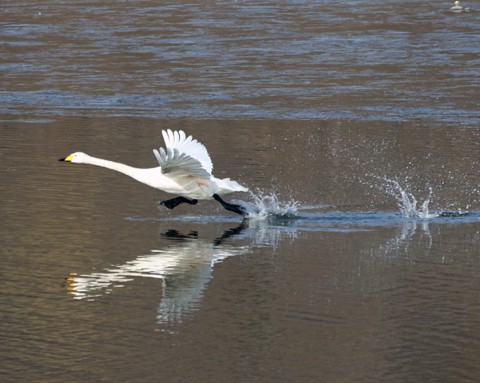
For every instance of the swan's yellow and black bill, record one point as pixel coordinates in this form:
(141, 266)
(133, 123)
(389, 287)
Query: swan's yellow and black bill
(67, 159)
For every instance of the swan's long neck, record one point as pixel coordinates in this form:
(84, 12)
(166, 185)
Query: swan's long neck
(117, 166)
(141, 175)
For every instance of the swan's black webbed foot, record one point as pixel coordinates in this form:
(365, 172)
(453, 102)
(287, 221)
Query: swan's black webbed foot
(174, 202)
(231, 206)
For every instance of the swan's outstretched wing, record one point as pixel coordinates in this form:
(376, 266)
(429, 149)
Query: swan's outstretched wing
(179, 164)
(177, 140)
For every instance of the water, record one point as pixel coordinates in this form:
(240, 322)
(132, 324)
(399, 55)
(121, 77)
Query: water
(354, 125)
(388, 61)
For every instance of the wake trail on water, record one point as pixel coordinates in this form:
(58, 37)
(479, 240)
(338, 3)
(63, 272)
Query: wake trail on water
(268, 205)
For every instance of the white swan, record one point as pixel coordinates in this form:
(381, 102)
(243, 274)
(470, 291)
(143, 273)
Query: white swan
(460, 8)
(185, 170)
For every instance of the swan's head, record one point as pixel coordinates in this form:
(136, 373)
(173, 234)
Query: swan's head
(77, 157)
(457, 3)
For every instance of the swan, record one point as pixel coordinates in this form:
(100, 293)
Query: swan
(459, 8)
(185, 170)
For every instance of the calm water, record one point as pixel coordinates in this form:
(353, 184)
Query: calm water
(355, 125)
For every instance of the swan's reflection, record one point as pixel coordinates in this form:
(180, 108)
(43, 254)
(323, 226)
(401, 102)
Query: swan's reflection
(185, 267)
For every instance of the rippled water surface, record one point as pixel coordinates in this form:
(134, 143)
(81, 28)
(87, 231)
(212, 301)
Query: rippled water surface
(387, 61)
(355, 126)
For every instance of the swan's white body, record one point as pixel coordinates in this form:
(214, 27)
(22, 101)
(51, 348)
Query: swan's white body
(185, 169)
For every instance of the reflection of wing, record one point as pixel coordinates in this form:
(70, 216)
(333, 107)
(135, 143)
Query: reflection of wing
(183, 292)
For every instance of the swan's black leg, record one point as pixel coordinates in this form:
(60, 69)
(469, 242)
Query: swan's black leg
(174, 202)
(230, 206)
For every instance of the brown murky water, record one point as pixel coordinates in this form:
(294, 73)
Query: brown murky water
(355, 125)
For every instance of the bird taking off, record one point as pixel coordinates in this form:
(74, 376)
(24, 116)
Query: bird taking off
(185, 170)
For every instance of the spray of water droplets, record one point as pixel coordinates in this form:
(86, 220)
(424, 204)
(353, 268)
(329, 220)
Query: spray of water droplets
(268, 205)
(407, 202)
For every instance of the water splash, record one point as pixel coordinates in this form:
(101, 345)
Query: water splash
(267, 205)
(407, 202)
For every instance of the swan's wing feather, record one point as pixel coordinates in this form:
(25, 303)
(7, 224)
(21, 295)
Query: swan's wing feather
(179, 164)
(177, 140)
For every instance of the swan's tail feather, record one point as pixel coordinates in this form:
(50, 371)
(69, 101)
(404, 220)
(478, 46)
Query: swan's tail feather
(227, 185)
